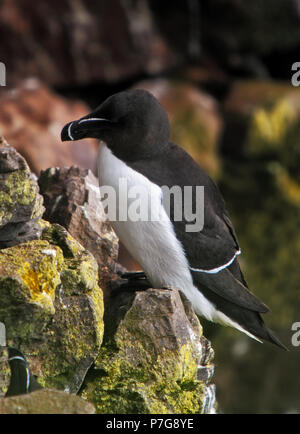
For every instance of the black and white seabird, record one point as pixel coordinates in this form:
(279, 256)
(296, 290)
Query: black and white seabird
(133, 130)
(22, 381)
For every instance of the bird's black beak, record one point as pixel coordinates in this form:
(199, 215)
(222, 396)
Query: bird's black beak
(84, 128)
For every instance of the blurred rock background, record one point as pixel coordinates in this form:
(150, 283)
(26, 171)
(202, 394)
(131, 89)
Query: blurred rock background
(222, 69)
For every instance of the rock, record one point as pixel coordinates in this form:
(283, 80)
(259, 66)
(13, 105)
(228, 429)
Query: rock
(195, 120)
(45, 401)
(247, 37)
(31, 119)
(71, 43)
(52, 307)
(72, 199)
(21, 206)
(154, 358)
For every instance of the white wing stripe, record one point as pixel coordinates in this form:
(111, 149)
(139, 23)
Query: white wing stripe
(17, 358)
(216, 270)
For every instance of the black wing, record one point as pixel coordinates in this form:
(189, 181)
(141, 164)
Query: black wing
(216, 244)
(212, 250)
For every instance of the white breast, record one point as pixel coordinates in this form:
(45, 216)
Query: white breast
(153, 244)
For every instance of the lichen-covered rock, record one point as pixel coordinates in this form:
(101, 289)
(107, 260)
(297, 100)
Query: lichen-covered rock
(52, 306)
(154, 358)
(45, 401)
(72, 199)
(5, 373)
(21, 206)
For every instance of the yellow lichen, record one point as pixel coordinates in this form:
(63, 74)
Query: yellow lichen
(21, 186)
(285, 183)
(43, 272)
(98, 309)
(270, 125)
(37, 264)
(133, 380)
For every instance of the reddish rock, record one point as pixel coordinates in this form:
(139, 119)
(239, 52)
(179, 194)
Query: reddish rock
(126, 260)
(72, 199)
(31, 119)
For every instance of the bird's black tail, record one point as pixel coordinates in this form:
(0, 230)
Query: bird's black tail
(274, 340)
(237, 303)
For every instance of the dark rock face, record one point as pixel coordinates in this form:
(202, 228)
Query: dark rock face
(68, 43)
(72, 43)
(21, 206)
(72, 199)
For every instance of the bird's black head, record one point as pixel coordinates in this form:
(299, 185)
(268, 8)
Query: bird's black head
(132, 123)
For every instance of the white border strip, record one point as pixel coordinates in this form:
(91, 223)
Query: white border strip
(216, 270)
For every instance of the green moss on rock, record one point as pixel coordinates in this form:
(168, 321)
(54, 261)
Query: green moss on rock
(31, 272)
(22, 185)
(52, 306)
(19, 189)
(149, 363)
(5, 373)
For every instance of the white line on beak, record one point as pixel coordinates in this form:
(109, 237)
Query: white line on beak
(91, 119)
(69, 131)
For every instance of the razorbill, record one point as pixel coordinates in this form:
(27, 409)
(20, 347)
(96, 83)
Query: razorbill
(21, 381)
(133, 129)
